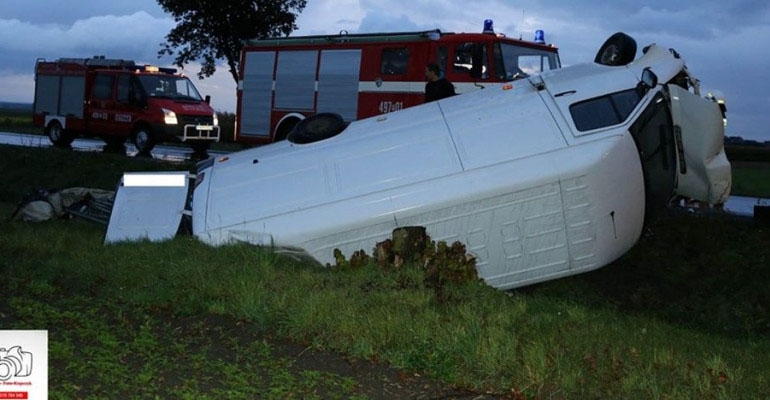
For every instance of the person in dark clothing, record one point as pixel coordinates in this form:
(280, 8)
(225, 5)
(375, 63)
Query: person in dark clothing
(437, 87)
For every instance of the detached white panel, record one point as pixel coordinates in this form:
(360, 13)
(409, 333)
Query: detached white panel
(148, 206)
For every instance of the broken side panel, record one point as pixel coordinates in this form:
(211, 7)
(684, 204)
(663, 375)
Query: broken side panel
(705, 174)
(148, 206)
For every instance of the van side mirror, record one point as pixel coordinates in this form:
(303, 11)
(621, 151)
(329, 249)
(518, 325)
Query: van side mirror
(649, 81)
(207, 99)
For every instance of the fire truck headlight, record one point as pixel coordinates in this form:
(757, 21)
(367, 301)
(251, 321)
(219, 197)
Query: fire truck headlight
(216, 120)
(169, 117)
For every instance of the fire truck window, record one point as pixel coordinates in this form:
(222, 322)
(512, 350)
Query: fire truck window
(520, 62)
(185, 89)
(137, 92)
(471, 59)
(124, 87)
(497, 60)
(394, 61)
(103, 87)
(604, 111)
(443, 56)
(532, 63)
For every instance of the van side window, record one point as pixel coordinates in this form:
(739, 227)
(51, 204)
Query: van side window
(102, 89)
(604, 111)
(395, 61)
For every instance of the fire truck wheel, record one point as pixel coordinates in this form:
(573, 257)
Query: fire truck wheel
(618, 49)
(317, 127)
(57, 135)
(143, 140)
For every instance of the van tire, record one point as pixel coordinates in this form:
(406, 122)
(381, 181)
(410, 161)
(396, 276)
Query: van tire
(618, 49)
(143, 139)
(317, 127)
(58, 135)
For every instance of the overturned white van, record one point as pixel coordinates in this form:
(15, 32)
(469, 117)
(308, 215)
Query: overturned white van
(540, 178)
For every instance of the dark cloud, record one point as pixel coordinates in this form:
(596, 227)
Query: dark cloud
(384, 22)
(136, 36)
(70, 11)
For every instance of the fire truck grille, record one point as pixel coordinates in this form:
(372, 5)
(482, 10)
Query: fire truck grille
(195, 119)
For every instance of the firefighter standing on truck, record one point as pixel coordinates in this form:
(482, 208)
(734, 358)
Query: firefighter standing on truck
(438, 87)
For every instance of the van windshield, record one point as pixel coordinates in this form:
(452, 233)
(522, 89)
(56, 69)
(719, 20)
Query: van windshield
(520, 61)
(169, 87)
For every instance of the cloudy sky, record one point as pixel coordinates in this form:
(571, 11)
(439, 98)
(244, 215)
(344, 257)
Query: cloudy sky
(725, 43)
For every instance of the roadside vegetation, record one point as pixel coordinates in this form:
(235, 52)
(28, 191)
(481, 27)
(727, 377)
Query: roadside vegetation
(19, 121)
(683, 315)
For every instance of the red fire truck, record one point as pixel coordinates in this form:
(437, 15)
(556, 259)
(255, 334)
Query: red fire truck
(284, 80)
(116, 100)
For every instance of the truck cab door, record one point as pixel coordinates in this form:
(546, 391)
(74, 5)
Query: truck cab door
(128, 105)
(100, 105)
(704, 172)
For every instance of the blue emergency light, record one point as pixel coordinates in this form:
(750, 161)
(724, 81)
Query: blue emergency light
(539, 36)
(488, 26)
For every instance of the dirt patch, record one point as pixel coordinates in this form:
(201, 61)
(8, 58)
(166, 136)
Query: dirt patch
(199, 348)
(375, 380)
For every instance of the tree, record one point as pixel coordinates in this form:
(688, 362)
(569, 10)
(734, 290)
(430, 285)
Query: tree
(210, 30)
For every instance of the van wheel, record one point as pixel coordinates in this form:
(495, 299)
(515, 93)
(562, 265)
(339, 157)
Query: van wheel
(317, 127)
(618, 49)
(143, 140)
(58, 136)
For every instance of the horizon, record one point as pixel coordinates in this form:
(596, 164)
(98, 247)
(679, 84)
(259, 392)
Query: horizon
(4, 104)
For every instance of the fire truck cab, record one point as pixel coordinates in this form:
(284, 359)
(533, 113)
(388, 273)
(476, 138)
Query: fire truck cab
(118, 100)
(284, 80)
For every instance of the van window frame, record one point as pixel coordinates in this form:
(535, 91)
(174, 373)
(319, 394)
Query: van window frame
(604, 111)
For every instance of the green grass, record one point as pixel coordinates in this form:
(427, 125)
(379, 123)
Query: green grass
(751, 181)
(115, 350)
(17, 121)
(683, 315)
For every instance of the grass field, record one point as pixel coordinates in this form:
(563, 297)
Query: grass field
(685, 314)
(751, 179)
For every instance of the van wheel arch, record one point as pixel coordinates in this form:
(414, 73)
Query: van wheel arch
(316, 128)
(285, 126)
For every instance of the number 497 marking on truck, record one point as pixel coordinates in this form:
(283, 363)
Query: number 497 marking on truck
(390, 106)
(284, 80)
